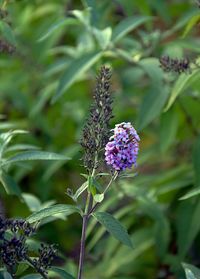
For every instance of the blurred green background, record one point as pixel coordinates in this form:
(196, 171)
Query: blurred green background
(46, 88)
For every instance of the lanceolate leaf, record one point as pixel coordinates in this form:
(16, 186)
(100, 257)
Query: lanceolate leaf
(128, 25)
(80, 190)
(63, 274)
(157, 95)
(55, 26)
(32, 156)
(151, 106)
(114, 227)
(76, 68)
(191, 23)
(7, 32)
(191, 272)
(9, 184)
(5, 275)
(191, 193)
(181, 84)
(196, 161)
(187, 221)
(51, 211)
(32, 276)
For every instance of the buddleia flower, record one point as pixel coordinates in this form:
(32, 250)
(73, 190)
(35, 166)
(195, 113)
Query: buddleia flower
(121, 151)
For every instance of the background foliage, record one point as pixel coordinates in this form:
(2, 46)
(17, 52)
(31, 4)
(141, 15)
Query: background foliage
(46, 86)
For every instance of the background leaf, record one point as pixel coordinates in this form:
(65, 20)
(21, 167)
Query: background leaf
(76, 68)
(34, 155)
(126, 26)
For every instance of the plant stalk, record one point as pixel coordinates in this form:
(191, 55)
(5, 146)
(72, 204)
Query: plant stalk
(82, 246)
(83, 235)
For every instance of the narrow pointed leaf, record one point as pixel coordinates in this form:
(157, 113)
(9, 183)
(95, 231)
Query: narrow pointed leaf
(196, 161)
(34, 155)
(57, 25)
(80, 190)
(128, 25)
(76, 68)
(32, 276)
(9, 184)
(182, 83)
(51, 211)
(63, 274)
(191, 272)
(114, 227)
(191, 193)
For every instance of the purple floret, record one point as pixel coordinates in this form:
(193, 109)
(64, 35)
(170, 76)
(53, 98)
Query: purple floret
(122, 149)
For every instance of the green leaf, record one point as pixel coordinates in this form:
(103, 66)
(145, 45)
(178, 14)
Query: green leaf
(182, 83)
(76, 68)
(32, 276)
(99, 197)
(181, 22)
(196, 162)
(80, 190)
(191, 23)
(83, 16)
(51, 211)
(161, 225)
(191, 272)
(103, 36)
(32, 202)
(187, 224)
(168, 129)
(9, 184)
(91, 186)
(127, 25)
(151, 106)
(5, 138)
(191, 193)
(114, 227)
(55, 26)
(155, 99)
(63, 274)
(21, 268)
(7, 32)
(19, 147)
(5, 275)
(34, 155)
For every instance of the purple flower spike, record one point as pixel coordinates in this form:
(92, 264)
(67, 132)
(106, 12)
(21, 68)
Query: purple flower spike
(122, 149)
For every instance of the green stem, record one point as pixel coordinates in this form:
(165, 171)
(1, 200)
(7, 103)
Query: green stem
(88, 206)
(104, 192)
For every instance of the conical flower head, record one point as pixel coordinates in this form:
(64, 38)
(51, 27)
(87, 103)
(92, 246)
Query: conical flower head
(122, 149)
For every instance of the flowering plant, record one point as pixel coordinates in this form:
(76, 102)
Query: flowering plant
(105, 153)
(121, 150)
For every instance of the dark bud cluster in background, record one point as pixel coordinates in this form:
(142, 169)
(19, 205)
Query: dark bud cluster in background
(175, 65)
(6, 47)
(14, 250)
(3, 14)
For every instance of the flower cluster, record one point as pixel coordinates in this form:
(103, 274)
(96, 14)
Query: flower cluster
(95, 131)
(13, 247)
(47, 254)
(122, 148)
(176, 65)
